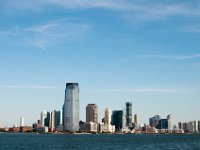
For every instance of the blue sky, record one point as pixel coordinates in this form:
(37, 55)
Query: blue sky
(143, 51)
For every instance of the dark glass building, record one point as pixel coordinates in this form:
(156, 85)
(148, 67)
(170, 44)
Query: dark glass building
(47, 120)
(57, 118)
(118, 119)
(154, 121)
(129, 114)
(163, 124)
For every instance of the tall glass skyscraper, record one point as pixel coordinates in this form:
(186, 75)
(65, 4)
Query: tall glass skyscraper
(118, 119)
(57, 118)
(71, 108)
(128, 114)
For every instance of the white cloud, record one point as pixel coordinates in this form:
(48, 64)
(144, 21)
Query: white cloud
(50, 33)
(191, 28)
(71, 4)
(147, 90)
(132, 9)
(5, 33)
(26, 86)
(173, 57)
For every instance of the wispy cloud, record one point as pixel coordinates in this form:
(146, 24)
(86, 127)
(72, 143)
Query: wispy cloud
(50, 33)
(145, 90)
(191, 28)
(173, 57)
(71, 4)
(26, 86)
(133, 9)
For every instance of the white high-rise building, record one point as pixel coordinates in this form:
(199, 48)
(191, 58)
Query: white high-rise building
(192, 126)
(170, 121)
(136, 119)
(106, 125)
(52, 124)
(107, 116)
(21, 121)
(71, 108)
(45, 118)
(43, 115)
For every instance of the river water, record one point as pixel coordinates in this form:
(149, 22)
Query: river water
(9, 141)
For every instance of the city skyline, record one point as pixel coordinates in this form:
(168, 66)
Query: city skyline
(69, 119)
(144, 52)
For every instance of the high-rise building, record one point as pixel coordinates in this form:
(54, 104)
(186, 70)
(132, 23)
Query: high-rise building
(43, 115)
(21, 121)
(136, 119)
(58, 119)
(180, 125)
(192, 127)
(106, 126)
(118, 120)
(71, 108)
(185, 126)
(45, 118)
(129, 114)
(52, 124)
(63, 110)
(199, 126)
(107, 116)
(154, 121)
(170, 122)
(55, 120)
(92, 113)
(163, 124)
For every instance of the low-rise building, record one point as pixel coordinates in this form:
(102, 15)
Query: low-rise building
(106, 128)
(42, 129)
(14, 129)
(89, 127)
(26, 129)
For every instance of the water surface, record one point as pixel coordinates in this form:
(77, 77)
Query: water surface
(9, 141)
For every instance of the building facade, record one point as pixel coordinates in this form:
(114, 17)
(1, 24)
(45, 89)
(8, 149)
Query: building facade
(52, 124)
(192, 127)
(21, 121)
(71, 108)
(118, 119)
(180, 125)
(129, 114)
(107, 116)
(57, 119)
(92, 113)
(170, 121)
(106, 125)
(154, 121)
(45, 118)
(136, 119)
(163, 124)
